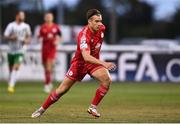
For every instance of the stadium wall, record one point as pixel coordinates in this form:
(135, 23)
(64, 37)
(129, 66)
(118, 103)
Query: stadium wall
(134, 63)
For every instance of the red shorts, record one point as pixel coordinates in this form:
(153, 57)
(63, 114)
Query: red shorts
(77, 71)
(48, 56)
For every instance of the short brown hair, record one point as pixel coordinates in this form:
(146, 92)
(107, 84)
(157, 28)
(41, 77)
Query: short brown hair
(19, 11)
(48, 12)
(92, 12)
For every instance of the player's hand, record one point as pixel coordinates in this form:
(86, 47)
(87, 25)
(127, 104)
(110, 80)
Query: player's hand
(26, 41)
(109, 65)
(13, 37)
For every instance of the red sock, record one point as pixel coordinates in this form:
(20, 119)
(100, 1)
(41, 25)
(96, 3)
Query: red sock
(100, 93)
(47, 77)
(52, 98)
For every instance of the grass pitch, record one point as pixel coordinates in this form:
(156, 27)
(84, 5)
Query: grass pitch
(125, 102)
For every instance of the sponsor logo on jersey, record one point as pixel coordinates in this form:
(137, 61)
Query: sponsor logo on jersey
(83, 44)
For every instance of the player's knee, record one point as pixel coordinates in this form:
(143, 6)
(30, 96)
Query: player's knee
(107, 79)
(16, 67)
(48, 68)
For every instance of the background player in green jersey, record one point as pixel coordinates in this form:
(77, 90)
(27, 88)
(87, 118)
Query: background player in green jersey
(18, 35)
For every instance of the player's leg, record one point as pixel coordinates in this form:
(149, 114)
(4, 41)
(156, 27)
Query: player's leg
(54, 96)
(10, 89)
(48, 67)
(14, 63)
(10, 63)
(103, 76)
(74, 74)
(60, 91)
(12, 78)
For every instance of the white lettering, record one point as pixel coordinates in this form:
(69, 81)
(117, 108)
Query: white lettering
(147, 68)
(125, 66)
(169, 70)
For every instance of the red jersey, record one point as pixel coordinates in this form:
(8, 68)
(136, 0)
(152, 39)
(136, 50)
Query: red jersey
(89, 41)
(49, 33)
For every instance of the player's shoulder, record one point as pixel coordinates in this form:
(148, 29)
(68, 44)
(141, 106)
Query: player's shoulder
(43, 25)
(102, 28)
(25, 24)
(84, 34)
(84, 31)
(11, 23)
(55, 25)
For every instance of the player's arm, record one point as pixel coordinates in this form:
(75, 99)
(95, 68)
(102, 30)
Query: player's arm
(88, 58)
(58, 37)
(27, 39)
(9, 35)
(11, 38)
(40, 34)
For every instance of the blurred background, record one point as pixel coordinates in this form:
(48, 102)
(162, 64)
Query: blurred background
(146, 32)
(136, 19)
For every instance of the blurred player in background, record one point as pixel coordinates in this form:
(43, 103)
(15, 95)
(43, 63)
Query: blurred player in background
(18, 35)
(50, 35)
(85, 61)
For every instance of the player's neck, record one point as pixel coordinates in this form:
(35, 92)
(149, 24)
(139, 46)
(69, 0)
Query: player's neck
(49, 23)
(91, 29)
(18, 22)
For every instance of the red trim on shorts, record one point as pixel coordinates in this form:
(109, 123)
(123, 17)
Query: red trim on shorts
(96, 68)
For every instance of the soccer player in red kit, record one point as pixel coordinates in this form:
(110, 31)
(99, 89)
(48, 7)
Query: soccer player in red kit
(50, 35)
(85, 61)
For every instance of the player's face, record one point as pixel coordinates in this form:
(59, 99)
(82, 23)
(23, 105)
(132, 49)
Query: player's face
(49, 18)
(95, 22)
(20, 17)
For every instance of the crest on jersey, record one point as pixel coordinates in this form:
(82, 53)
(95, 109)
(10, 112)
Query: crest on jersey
(102, 35)
(70, 73)
(50, 35)
(54, 30)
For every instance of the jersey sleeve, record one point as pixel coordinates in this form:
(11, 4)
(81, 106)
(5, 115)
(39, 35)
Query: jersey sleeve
(8, 30)
(84, 42)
